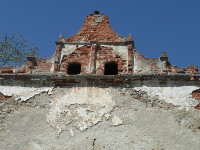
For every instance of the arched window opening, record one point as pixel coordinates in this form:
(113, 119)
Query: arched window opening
(74, 68)
(111, 68)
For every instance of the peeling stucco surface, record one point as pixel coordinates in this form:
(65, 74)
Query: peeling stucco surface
(52, 61)
(121, 50)
(67, 50)
(179, 96)
(23, 93)
(116, 121)
(99, 118)
(81, 106)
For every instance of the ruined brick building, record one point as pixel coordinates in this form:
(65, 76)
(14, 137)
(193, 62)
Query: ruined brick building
(97, 49)
(93, 53)
(103, 93)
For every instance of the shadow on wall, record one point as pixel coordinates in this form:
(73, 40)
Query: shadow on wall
(74, 68)
(111, 68)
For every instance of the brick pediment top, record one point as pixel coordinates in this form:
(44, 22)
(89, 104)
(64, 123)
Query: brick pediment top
(96, 27)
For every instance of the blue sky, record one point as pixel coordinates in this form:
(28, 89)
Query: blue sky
(157, 25)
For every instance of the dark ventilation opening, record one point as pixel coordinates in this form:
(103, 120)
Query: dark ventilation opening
(74, 68)
(181, 72)
(111, 68)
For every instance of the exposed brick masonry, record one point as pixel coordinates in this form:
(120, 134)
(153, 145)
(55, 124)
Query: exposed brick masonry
(196, 95)
(96, 28)
(2, 97)
(94, 45)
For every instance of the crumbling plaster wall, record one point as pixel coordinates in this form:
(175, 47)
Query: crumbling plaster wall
(81, 107)
(181, 96)
(84, 107)
(23, 93)
(90, 113)
(147, 65)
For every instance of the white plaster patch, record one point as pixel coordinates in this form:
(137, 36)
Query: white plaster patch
(179, 96)
(82, 106)
(52, 68)
(140, 65)
(67, 50)
(116, 121)
(121, 50)
(23, 93)
(161, 65)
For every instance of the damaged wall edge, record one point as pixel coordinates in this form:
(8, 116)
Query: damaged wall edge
(156, 84)
(55, 80)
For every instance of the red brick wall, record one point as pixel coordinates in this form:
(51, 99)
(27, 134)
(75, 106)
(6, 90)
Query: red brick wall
(196, 95)
(7, 69)
(87, 55)
(130, 59)
(93, 30)
(81, 55)
(2, 97)
(193, 70)
(105, 54)
(42, 66)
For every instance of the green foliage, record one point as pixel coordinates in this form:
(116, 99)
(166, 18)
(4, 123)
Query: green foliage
(14, 49)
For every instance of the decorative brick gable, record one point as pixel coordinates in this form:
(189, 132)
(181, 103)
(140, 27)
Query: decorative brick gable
(97, 49)
(96, 28)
